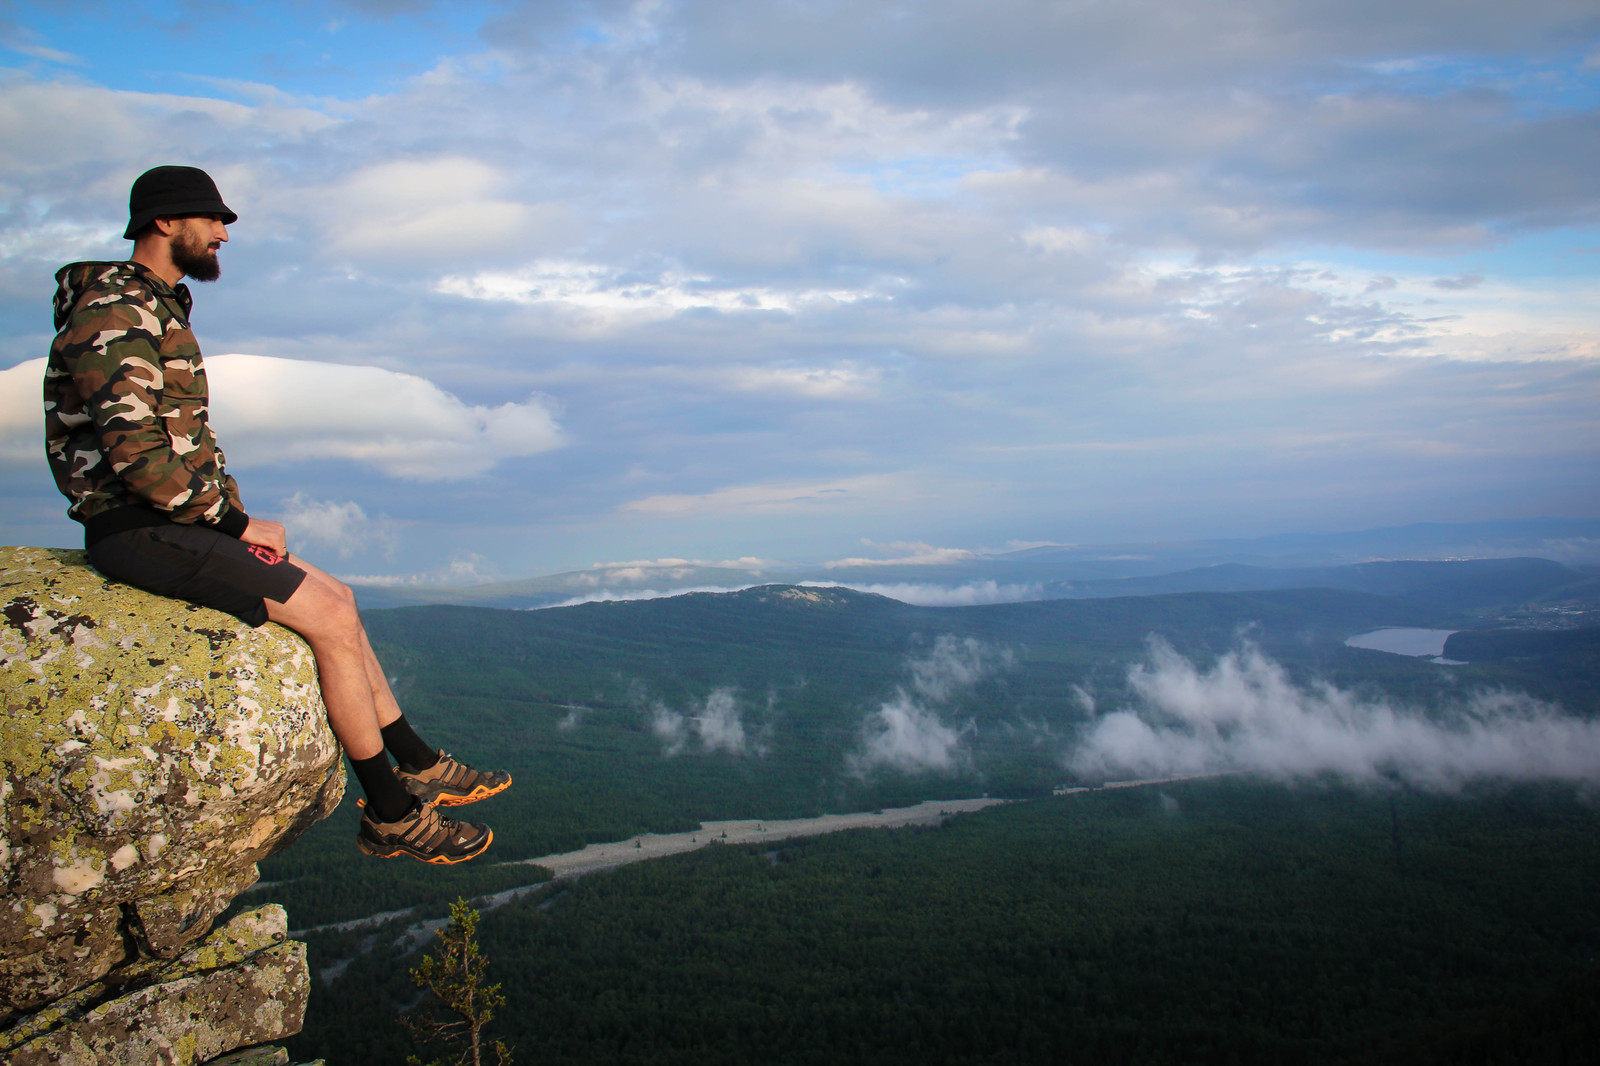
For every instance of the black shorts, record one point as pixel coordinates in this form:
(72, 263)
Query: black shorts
(199, 565)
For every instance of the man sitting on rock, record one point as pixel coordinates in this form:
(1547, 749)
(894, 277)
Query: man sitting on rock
(130, 446)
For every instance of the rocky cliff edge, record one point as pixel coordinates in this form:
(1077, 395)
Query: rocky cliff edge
(153, 752)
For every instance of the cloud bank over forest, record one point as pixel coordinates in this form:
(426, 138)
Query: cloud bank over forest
(717, 723)
(1244, 713)
(557, 282)
(908, 731)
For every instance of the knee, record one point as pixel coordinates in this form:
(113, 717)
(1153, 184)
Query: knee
(341, 614)
(329, 586)
(346, 595)
(317, 611)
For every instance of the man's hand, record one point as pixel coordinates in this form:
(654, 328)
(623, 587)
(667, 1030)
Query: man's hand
(267, 534)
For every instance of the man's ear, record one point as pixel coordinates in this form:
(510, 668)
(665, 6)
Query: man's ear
(163, 225)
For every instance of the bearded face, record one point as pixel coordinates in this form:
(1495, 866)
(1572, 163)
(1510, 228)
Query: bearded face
(193, 251)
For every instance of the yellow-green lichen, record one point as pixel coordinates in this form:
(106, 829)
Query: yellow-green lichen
(152, 752)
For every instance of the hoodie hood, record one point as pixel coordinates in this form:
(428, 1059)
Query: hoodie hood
(75, 280)
(72, 281)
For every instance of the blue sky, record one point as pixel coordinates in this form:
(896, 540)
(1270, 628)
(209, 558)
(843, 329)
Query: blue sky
(519, 288)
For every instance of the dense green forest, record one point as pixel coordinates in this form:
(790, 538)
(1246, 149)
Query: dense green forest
(1225, 920)
(569, 700)
(1211, 921)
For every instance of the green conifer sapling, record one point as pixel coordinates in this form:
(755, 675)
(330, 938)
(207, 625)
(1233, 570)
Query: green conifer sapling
(454, 973)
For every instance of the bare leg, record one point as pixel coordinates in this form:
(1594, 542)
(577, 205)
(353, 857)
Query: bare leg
(388, 709)
(323, 610)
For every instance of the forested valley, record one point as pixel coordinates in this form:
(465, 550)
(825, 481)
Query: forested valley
(1214, 921)
(1232, 919)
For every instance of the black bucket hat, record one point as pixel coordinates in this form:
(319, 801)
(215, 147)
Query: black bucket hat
(173, 192)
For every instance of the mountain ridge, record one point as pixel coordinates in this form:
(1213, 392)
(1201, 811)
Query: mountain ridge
(1047, 572)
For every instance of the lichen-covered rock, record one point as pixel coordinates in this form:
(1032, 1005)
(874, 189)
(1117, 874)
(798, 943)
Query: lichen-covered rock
(260, 1056)
(153, 752)
(244, 984)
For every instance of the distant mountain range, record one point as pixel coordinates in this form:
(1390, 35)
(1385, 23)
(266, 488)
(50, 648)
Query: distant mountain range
(1511, 562)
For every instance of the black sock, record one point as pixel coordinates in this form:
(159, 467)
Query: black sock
(407, 748)
(387, 798)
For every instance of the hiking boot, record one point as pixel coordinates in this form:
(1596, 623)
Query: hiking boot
(423, 833)
(448, 783)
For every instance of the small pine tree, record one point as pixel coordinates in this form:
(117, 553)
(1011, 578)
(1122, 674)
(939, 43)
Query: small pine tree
(454, 973)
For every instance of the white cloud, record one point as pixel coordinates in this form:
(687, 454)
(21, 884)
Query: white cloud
(720, 725)
(51, 241)
(270, 410)
(779, 498)
(464, 568)
(343, 527)
(717, 723)
(903, 735)
(954, 664)
(69, 151)
(906, 732)
(635, 574)
(425, 209)
(670, 727)
(914, 553)
(1245, 714)
(623, 296)
(22, 414)
(19, 42)
(1488, 319)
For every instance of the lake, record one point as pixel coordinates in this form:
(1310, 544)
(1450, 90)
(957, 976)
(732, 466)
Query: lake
(1419, 642)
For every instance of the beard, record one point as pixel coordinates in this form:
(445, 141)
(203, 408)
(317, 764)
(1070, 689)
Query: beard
(195, 257)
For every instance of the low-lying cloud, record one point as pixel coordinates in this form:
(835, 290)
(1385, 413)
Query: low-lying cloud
(717, 725)
(1244, 713)
(903, 735)
(906, 732)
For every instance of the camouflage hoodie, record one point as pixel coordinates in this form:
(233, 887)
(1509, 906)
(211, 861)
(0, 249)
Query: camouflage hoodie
(125, 400)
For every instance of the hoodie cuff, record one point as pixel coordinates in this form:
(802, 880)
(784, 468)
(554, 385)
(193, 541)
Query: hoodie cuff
(233, 522)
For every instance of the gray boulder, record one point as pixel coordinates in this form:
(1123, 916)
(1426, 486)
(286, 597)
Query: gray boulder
(152, 753)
